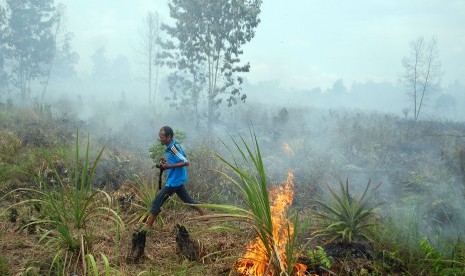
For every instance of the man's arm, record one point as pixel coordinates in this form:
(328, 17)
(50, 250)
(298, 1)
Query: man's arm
(179, 155)
(165, 165)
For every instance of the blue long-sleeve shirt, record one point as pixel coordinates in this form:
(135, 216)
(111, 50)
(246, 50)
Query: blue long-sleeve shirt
(175, 154)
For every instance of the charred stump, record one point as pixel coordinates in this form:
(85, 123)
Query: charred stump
(138, 246)
(187, 247)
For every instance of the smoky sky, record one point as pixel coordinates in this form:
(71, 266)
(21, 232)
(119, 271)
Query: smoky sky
(302, 44)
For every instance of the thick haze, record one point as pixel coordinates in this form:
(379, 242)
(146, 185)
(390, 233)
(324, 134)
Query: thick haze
(302, 43)
(308, 59)
(303, 50)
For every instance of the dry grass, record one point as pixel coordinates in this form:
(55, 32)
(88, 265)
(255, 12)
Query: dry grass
(414, 161)
(219, 250)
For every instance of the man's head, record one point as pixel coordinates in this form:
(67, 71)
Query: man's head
(165, 135)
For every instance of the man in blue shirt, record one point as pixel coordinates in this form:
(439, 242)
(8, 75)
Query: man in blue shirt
(175, 165)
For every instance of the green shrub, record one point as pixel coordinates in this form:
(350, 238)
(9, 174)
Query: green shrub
(346, 218)
(157, 150)
(70, 210)
(145, 192)
(319, 258)
(442, 265)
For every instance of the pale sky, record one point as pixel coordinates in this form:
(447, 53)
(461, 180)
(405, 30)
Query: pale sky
(300, 43)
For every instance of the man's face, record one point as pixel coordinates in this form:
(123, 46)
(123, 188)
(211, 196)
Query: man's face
(163, 139)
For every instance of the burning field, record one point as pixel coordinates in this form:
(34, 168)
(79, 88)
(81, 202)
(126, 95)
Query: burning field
(258, 260)
(266, 237)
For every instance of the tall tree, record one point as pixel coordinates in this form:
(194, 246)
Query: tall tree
(62, 57)
(149, 49)
(31, 40)
(422, 72)
(207, 40)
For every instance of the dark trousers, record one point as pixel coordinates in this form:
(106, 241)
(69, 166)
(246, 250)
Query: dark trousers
(165, 193)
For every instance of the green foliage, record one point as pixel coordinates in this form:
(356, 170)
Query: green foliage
(31, 40)
(20, 164)
(440, 264)
(205, 181)
(44, 111)
(346, 218)
(61, 265)
(397, 238)
(209, 36)
(157, 150)
(319, 257)
(93, 268)
(144, 192)
(389, 261)
(69, 212)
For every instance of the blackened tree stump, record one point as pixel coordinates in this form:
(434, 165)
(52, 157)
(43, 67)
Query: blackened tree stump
(138, 246)
(187, 247)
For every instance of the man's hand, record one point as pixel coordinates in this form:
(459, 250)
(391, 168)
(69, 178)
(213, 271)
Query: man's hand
(165, 165)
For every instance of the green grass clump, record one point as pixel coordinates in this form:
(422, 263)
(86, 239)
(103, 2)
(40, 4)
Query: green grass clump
(249, 177)
(144, 192)
(70, 210)
(346, 218)
(441, 264)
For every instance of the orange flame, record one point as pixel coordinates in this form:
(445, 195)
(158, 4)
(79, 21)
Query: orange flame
(255, 260)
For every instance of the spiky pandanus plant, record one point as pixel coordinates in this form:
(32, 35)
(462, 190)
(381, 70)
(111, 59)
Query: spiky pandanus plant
(68, 212)
(249, 178)
(347, 218)
(145, 192)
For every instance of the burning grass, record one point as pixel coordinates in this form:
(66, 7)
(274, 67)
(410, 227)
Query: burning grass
(256, 261)
(227, 252)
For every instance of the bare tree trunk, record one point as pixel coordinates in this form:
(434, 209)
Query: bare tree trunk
(415, 81)
(422, 72)
(149, 35)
